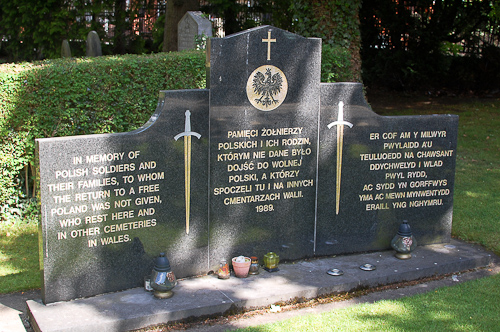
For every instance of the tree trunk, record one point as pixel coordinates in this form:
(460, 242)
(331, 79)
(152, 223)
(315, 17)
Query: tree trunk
(174, 12)
(119, 40)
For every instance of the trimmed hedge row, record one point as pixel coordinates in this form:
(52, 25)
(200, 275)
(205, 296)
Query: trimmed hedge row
(65, 97)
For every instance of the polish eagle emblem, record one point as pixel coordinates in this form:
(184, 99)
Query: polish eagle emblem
(266, 88)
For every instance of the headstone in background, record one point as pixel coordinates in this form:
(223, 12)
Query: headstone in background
(191, 26)
(65, 49)
(93, 46)
(112, 202)
(267, 159)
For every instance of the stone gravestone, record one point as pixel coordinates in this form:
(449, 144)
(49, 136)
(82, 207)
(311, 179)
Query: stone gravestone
(93, 45)
(263, 144)
(374, 172)
(191, 26)
(266, 159)
(65, 49)
(112, 202)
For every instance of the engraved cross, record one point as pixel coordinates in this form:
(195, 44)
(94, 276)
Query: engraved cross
(269, 41)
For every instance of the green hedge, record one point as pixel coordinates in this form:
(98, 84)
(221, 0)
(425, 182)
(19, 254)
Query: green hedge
(66, 97)
(78, 96)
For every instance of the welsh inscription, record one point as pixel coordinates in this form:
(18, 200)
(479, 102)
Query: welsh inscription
(404, 161)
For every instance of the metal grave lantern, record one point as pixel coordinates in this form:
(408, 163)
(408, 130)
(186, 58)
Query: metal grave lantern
(162, 278)
(404, 242)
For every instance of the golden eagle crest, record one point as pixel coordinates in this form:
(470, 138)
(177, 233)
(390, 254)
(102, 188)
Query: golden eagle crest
(267, 88)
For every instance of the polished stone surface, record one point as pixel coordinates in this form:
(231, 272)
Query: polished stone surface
(276, 161)
(389, 172)
(113, 202)
(263, 146)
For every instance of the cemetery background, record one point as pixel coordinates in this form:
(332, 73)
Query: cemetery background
(460, 49)
(489, 125)
(459, 66)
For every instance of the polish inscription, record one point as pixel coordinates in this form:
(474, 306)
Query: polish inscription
(104, 197)
(263, 166)
(407, 160)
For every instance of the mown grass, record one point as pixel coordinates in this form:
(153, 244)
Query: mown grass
(471, 306)
(19, 266)
(477, 194)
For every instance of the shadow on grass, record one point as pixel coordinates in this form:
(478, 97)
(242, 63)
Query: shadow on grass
(19, 265)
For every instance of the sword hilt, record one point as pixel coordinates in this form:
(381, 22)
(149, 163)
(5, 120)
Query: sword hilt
(340, 118)
(187, 128)
(336, 123)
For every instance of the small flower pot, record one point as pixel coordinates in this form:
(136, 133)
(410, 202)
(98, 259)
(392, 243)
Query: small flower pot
(241, 268)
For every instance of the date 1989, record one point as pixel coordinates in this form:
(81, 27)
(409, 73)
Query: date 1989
(264, 208)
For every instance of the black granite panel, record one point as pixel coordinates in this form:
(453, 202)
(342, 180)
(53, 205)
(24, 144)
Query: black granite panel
(113, 202)
(263, 146)
(273, 160)
(393, 168)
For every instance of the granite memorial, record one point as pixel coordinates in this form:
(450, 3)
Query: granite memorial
(267, 158)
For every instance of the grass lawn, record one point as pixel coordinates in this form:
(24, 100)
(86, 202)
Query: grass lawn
(470, 306)
(19, 267)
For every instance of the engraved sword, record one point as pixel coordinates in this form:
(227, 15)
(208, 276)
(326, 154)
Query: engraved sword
(340, 142)
(187, 162)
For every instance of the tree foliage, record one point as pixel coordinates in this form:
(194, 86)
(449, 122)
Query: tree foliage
(32, 30)
(336, 22)
(414, 43)
(65, 97)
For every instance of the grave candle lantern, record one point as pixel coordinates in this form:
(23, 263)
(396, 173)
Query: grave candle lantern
(271, 262)
(404, 242)
(162, 278)
(223, 270)
(254, 266)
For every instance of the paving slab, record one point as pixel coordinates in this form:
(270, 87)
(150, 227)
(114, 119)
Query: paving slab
(207, 295)
(11, 320)
(13, 310)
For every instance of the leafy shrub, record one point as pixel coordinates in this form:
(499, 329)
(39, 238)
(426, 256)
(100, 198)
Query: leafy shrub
(337, 24)
(335, 64)
(66, 97)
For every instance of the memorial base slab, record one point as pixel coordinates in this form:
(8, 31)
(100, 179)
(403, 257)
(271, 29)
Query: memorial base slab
(206, 296)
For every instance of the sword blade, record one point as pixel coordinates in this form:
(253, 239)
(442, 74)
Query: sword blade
(340, 144)
(187, 177)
